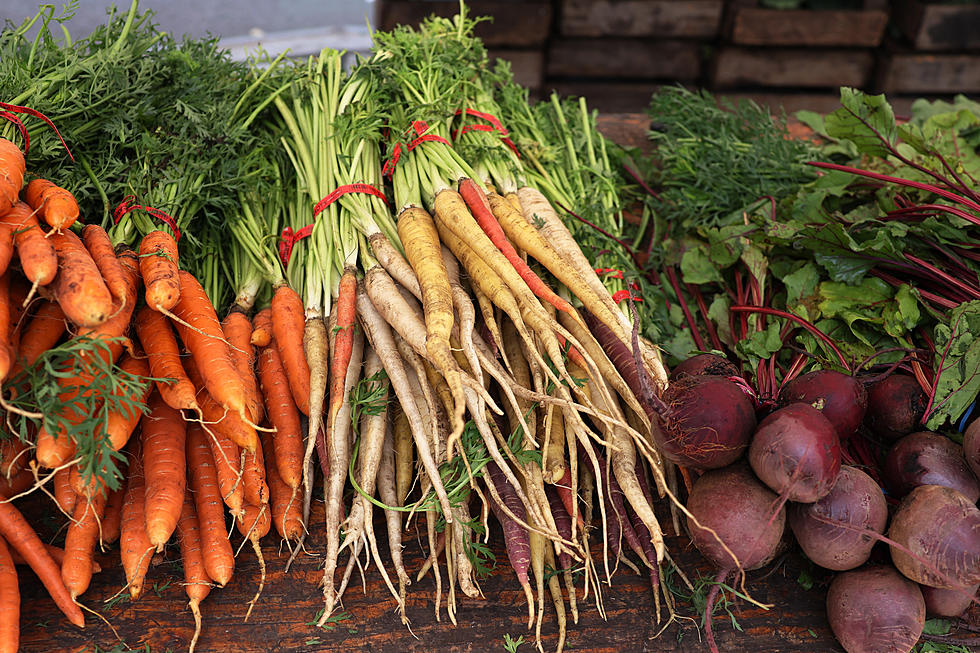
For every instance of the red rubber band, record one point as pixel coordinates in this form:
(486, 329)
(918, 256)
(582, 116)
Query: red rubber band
(288, 238)
(125, 207)
(14, 108)
(335, 195)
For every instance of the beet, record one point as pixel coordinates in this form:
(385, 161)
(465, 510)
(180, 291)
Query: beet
(739, 509)
(856, 502)
(948, 602)
(896, 405)
(708, 424)
(875, 610)
(940, 528)
(796, 452)
(841, 398)
(927, 458)
(704, 365)
(971, 446)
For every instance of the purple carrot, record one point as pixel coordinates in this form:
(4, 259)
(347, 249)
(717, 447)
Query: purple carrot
(515, 537)
(563, 522)
(614, 496)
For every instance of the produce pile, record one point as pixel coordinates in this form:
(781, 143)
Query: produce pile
(234, 288)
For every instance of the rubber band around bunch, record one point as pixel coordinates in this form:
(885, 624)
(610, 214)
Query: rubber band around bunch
(164, 217)
(8, 112)
(288, 238)
(495, 125)
(621, 295)
(420, 127)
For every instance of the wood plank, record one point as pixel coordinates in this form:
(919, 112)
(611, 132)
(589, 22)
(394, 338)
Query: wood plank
(515, 24)
(607, 97)
(933, 26)
(526, 65)
(670, 18)
(624, 58)
(932, 73)
(791, 68)
(759, 26)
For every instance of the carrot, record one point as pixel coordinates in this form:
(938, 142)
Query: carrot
(111, 521)
(164, 469)
(229, 427)
(79, 286)
(121, 424)
(6, 244)
(9, 602)
(254, 524)
(113, 333)
(388, 496)
(253, 477)
(197, 584)
(64, 496)
(158, 267)
(515, 537)
(404, 467)
(287, 513)
(287, 330)
(14, 455)
(163, 356)
(486, 217)
(262, 328)
(135, 548)
(238, 332)
(200, 331)
(37, 255)
(17, 483)
(85, 490)
(57, 554)
(12, 170)
(394, 263)
(22, 538)
(100, 247)
(219, 560)
(421, 241)
(80, 541)
(41, 334)
(55, 204)
(287, 448)
(6, 353)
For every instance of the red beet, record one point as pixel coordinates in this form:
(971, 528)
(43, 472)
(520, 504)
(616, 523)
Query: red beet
(971, 446)
(856, 503)
(740, 510)
(896, 405)
(875, 610)
(940, 528)
(796, 452)
(841, 398)
(927, 458)
(704, 365)
(948, 602)
(708, 424)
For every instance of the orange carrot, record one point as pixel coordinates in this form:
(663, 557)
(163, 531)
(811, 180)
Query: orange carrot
(158, 267)
(57, 554)
(12, 169)
(79, 286)
(197, 584)
(6, 353)
(203, 479)
(135, 548)
(6, 244)
(164, 469)
(287, 512)
(80, 541)
(287, 445)
(121, 424)
(163, 357)
(41, 334)
(64, 495)
(22, 538)
(84, 490)
(17, 483)
(253, 478)
(55, 204)
(9, 602)
(287, 329)
(116, 278)
(262, 328)
(111, 521)
(238, 332)
(37, 255)
(254, 524)
(113, 332)
(229, 426)
(205, 341)
(479, 207)
(13, 455)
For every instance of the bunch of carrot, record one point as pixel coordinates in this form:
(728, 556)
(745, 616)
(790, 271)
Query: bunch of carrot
(440, 344)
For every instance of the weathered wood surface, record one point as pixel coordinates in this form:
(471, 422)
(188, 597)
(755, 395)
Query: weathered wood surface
(515, 24)
(791, 68)
(662, 18)
(801, 27)
(934, 26)
(613, 58)
(915, 73)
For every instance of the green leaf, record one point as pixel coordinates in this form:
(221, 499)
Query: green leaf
(864, 120)
(957, 359)
(697, 266)
(937, 627)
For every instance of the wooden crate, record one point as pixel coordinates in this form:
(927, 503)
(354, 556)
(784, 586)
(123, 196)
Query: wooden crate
(937, 26)
(527, 65)
(750, 24)
(914, 72)
(735, 67)
(607, 97)
(624, 58)
(515, 24)
(668, 18)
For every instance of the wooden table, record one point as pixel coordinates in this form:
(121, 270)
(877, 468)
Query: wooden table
(281, 620)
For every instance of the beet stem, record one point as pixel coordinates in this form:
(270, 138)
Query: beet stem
(709, 604)
(799, 320)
